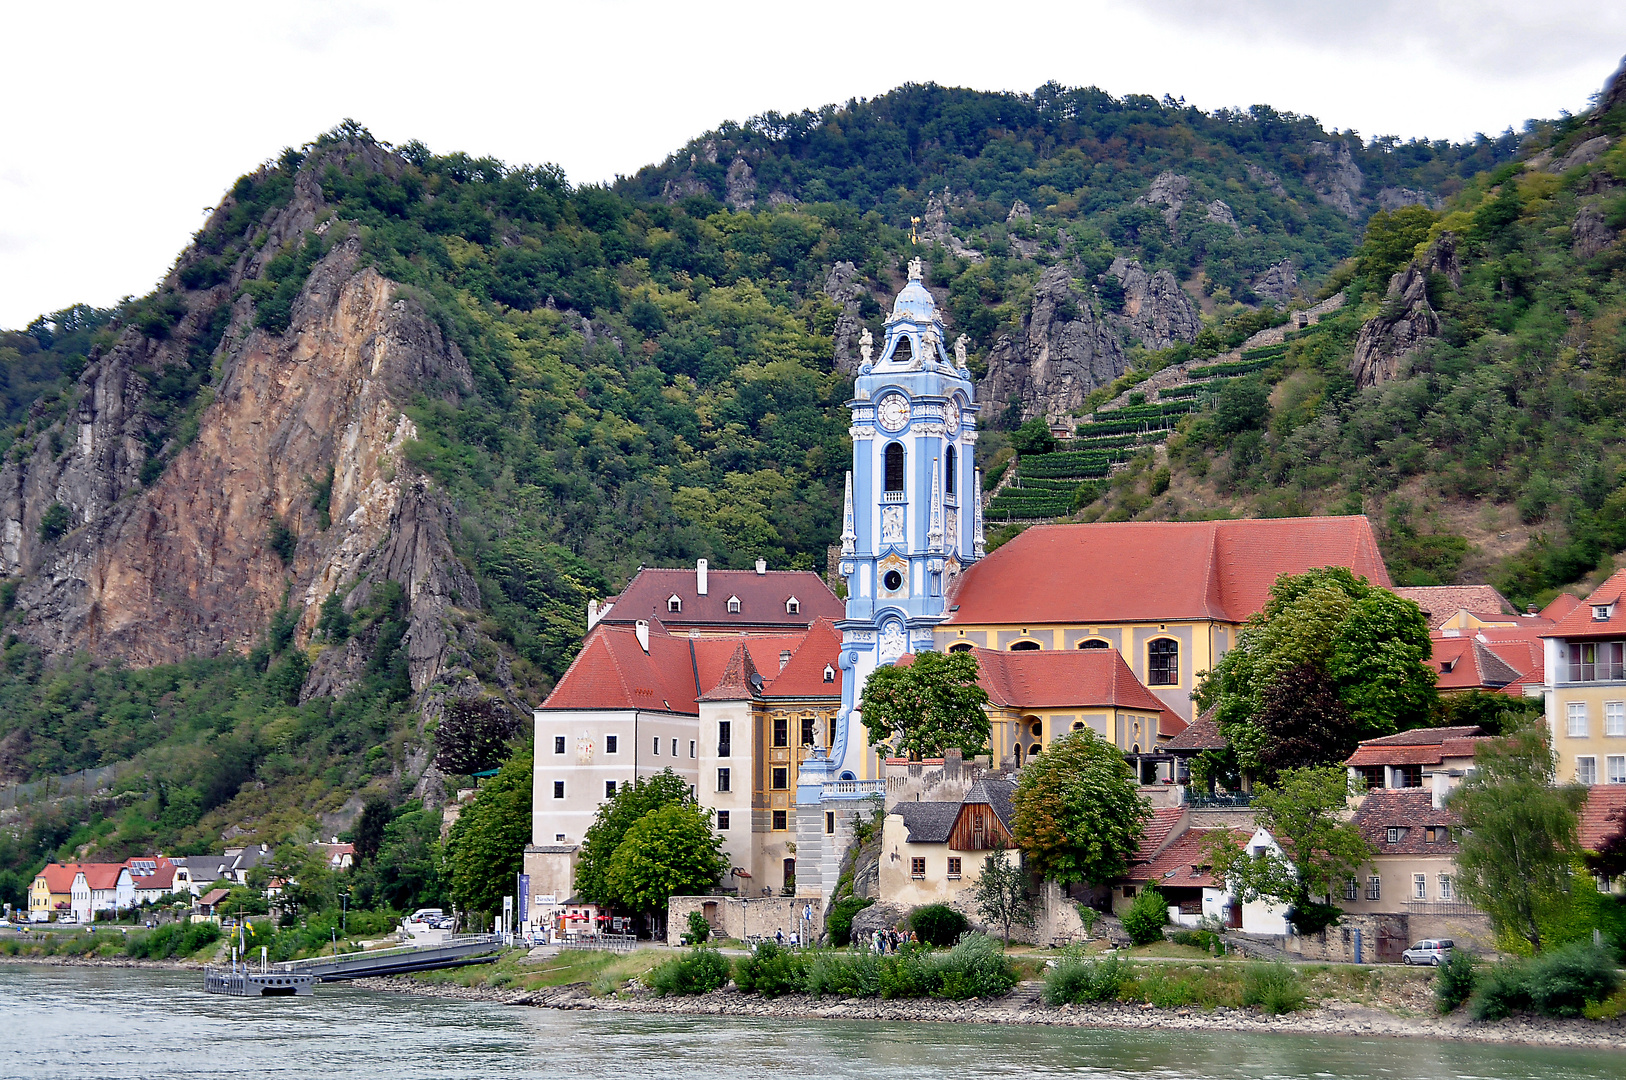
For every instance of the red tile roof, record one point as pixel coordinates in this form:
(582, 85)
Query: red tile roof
(1164, 824)
(1441, 602)
(1156, 571)
(1423, 746)
(1201, 734)
(762, 599)
(213, 897)
(1466, 663)
(1185, 862)
(59, 876)
(1560, 606)
(1603, 817)
(1063, 678)
(803, 677)
(1580, 623)
(612, 671)
(160, 876)
(1411, 809)
(101, 876)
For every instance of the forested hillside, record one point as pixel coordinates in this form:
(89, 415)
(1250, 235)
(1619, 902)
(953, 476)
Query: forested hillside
(601, 377)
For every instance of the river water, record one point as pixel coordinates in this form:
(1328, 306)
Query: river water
(125, 1024)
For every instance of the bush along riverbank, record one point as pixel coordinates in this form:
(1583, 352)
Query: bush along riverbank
(172, 942)
(975, 982)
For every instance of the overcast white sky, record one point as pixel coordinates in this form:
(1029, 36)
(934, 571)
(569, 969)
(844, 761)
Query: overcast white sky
(120, 123)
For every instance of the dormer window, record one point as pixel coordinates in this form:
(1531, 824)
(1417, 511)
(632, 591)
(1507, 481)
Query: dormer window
(1602, 612)
(1394, 834)
(674, 603)
(793, 606)
(733, 605)
(829, 673)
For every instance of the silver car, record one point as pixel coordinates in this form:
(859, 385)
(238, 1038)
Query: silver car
(1434, 952)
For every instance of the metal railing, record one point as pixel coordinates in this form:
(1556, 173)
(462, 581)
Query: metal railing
(605, 942)
(1234, 801)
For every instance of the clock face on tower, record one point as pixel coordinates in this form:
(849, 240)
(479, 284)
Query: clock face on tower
(893, 412)
(951, 415)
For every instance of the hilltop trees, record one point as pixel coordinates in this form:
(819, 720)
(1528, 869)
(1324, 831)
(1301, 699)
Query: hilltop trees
(927, 706)
(1078, 817)
(1329, 661)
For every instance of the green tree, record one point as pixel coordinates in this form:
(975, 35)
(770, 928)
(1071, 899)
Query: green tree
(1002, 895)
(1366, 643)
(1078, 817)
(1033, 437)
(1242, 406)
(1147, 916)
(610, 826)
(486, 847)
(1391, 240)
(927, 706)
(1519, 840)
(473, 735)
(1303, 812)
(1303, 722)
(376, 813)
(668, 852)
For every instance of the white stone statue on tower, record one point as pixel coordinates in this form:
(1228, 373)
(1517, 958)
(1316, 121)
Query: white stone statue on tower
(959, 352)
(914, 268)
(866, 344)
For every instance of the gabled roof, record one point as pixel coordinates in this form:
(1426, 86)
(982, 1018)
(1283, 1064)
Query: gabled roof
(1115, 572)
(1184, 863)
(1466, 663)
(996, 793)
(1603, 817)
(59, 876)
(1580, 623)
(152, 872)
(1411, 809)
(740, 680)
(803, 677)
(213, 897)
(101, 876)
(762, 598)
(1201, 734)
(928, 822)
(1441, 602)
(1422, 746)
(1052, 679)
(1560, 606)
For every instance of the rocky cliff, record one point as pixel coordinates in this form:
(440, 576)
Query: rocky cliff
(285, 483)
(1408, 319)
(1063, 352)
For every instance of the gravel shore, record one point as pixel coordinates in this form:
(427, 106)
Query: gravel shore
(1022, 1006)
(103, 961)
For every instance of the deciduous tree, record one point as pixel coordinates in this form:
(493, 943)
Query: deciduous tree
(1078, 816)
(668, 852)
(1519, 836)
(927, 706)
(487, 844)
(610, 826)
(1002, 895)
(473, 735)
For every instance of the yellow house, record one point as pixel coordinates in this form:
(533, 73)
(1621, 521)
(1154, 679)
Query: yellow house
(1167, 596)
(1586, 687)
(51, 895)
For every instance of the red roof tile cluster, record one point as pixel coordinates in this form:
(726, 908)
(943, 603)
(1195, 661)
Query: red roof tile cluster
(59, 876)
(1441, 602)
(1411, 810)
(1185, 862)
(613, 671)
(1466, 663)
(1422, 746)
(762, 599)
(1582, 621)
(99, 876)
(1603, 817)
(1165, 822)
(152, 872)
(1201, 734)
(1156, 571)
(1056, 679)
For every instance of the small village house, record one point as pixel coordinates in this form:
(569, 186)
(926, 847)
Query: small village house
(1586, 687)
(99, 887)
(935, 852)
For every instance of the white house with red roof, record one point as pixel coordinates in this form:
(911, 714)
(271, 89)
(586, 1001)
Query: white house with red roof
(152, 877)
(101, 887)
(1586, 687)
(1430, 759)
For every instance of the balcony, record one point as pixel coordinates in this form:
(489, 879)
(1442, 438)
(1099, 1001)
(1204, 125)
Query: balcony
(854, 789)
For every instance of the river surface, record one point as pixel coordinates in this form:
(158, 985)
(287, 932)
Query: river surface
(127, 1024)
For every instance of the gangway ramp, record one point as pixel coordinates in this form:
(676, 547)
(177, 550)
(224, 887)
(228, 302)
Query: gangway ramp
(455, 951)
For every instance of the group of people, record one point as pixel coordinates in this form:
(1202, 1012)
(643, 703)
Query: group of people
(795, 940)
(888, 941)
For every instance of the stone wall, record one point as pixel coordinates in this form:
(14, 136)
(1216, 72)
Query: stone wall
(752, 917)
(1385, 936)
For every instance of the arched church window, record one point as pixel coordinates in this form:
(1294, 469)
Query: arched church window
(894, 466)
(905, 351)
(1094, 643)
(1025, 646)
(961, 647)
(1163, 662)
(949, 459)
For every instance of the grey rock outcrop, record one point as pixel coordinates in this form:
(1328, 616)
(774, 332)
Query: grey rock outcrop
(1267, 180)
(1219, 213)
(842, 287)
(740, 186)
(1156, 310)
(878, 916)
(935, 226)
(1393, 198)
(1278, 284)
(1583, 154)
(1168, 191)
(1063, 353)
(1590, 233)
(1020, 211)
(1408, 320)
(1336, 178)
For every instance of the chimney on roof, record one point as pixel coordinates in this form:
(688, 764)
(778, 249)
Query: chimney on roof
(700, 577)
(1530, 611)
(592, 614)
(784, 658)
(641, 628)
(762, 566)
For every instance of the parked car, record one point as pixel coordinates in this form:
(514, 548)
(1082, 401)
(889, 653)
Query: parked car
(1430, 952)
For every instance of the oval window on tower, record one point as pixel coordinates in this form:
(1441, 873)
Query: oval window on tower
(949, 460)
(892, 580)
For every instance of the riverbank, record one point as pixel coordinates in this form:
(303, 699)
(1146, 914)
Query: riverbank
(1022, 1007)
(103, 962)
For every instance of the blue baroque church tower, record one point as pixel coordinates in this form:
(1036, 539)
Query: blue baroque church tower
(912, 520)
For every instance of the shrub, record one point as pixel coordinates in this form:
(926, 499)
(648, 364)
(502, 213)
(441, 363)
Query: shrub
(700, 971)
(172, 939)
(1206, 940)
(840, 922)
(699, 928)
(855, 974)
(938, 924)
(1275, 988)
(54, 523)
(1559, 983)
(769, 971)
(1146, 917)
(975, 968)
(1075, 980)
(1454, 981)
